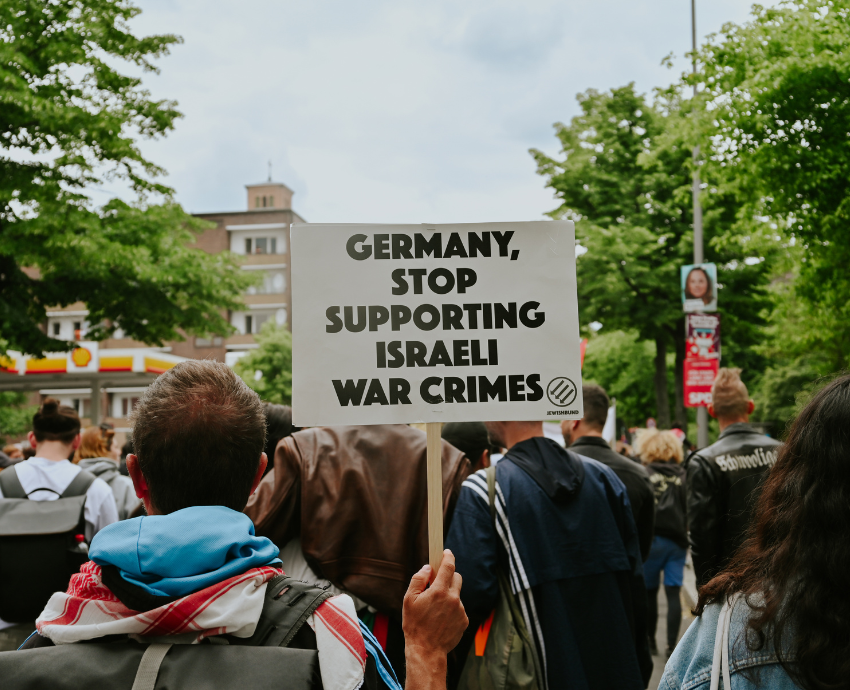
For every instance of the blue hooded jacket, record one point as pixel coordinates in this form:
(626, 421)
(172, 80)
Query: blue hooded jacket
(570, 549)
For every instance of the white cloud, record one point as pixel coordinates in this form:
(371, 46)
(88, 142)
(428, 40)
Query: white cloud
(396, 111)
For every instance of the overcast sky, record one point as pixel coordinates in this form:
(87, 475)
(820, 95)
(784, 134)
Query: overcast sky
(376, 111)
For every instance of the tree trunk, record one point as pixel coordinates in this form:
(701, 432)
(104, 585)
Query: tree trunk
(681, 413)
(662, 400)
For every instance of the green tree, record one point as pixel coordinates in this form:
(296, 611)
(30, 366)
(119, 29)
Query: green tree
(268, 369)
(774, 122)
(624, 176)
(623, 365)
(15, 414)
(68, 121)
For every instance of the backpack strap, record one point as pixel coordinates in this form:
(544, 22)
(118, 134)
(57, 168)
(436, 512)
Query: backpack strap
(149, 666)
(79, 484)
(288, 605)
(10, 484)
(516, 613)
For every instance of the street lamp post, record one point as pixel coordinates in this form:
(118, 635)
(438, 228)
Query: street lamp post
(702, 412)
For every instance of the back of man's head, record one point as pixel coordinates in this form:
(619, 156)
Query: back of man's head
(198, 435)
(729, 395)
(596, 405)
(470, 437)
(55, 422)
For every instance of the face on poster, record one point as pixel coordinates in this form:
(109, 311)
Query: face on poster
(699, 287)
(703, 336)
(435, 323)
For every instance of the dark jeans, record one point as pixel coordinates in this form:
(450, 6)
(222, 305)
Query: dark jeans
(674, 614)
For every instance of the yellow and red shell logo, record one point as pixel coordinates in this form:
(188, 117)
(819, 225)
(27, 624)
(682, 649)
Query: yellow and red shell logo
(81, 357)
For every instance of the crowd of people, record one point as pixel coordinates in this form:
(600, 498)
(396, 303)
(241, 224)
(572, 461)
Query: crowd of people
(221, 510)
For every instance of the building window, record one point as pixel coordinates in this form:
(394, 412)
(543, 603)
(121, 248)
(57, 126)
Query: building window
(56, 327)
(78, 330)
(271, 201)
(217, 341)
(261, 245)
(264, 202)
(257, 202)
(128, 405)
(249, 324)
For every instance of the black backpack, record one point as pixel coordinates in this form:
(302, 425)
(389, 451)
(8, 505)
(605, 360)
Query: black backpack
(39, 548)
(268, 660)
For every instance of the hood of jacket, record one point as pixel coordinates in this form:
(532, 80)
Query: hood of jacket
(102, 468)
(356, 497)
(559, 473)
(182, 552)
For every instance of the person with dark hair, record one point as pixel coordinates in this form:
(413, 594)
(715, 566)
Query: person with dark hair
(779, 610)
(126, 450)
(723, 479)
(55, 437)
(563, 535)
(278, 426)
(584, 436)
(194, 569)
(472, 439)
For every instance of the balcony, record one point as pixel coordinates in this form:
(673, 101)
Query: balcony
(264, 260)
(275, 299)
(240, 339)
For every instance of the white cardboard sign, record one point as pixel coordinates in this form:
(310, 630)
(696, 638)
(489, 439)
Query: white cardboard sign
(434, 323)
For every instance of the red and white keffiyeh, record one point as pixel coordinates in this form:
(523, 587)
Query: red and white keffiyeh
(89, 610)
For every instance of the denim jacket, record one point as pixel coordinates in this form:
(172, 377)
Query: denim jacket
(690, 665)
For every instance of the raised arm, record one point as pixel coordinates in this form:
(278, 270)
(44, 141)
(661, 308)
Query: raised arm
(433, 621)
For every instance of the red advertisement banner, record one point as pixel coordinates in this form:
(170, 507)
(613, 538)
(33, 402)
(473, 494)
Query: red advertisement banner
(699, 376)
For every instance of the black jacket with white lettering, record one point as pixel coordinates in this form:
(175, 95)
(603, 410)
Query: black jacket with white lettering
(722, 486)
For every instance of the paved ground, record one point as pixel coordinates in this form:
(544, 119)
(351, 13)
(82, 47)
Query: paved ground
(688, 600)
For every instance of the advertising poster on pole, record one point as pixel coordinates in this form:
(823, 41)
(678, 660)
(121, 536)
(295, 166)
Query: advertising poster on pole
(702, 337)
(435, 323)
(699, 287)
(699, 377)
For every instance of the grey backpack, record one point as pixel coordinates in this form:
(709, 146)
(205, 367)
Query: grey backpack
(39, 544)
(268, 660)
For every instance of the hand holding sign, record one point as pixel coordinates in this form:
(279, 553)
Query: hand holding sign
(434, 324)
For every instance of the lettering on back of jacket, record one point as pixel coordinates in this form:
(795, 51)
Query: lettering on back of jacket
(759, 458)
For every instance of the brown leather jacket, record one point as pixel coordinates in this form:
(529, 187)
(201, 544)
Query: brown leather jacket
(356, 496)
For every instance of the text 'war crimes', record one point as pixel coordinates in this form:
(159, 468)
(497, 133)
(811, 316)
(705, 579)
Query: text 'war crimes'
(435, 390)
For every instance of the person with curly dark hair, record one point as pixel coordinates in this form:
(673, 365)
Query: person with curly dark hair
(778, 615)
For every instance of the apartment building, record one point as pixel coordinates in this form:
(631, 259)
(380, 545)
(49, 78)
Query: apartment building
(260, 236)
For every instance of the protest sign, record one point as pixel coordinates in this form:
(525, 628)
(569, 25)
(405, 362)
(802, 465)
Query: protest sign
(699, 377)
(699, 287)
(702, 337)
(434, 323)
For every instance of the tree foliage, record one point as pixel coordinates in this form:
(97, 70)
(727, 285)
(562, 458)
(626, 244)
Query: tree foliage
(268, 369)
(15, 414)
(774, 119)
(69, 120)
(625, 176)
(622, 363)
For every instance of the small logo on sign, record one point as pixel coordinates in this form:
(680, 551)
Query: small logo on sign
(561, 391)
(81, 357)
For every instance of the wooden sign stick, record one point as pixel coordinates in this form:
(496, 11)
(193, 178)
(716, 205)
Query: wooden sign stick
(435, 494)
